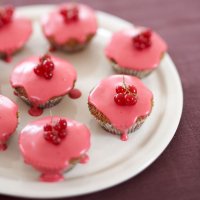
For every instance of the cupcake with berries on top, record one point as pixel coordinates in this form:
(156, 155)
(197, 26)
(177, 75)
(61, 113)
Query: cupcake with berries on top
(14, 32)
(70, 27)
(8, 120)
(120, 104)
(135, 51)
(53, 145)
(43, 81)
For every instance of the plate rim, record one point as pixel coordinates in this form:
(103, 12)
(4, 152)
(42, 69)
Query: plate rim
(100, 14)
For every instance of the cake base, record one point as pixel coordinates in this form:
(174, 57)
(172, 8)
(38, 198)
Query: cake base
(71, 46)
(138, 73)
(107, 125)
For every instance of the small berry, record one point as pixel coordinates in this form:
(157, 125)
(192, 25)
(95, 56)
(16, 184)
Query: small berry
(48, 75)
(147, 33)
(70, 14)
(48, 127)
(126, 95)
(132, 89)
(130, 99)
(6, 15)
(143, 40)
(56, 140)
(55, 134)
(45, 67)
(57, 127)
(119, 99)
(120, 89)
(39, 70)
(48, 135)
(48, 65)
(63, 124)
(62, 134)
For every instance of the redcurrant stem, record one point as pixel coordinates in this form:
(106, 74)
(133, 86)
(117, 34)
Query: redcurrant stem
(125, 86)
(124, 82)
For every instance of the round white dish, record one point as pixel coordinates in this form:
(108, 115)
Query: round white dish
(111, 160)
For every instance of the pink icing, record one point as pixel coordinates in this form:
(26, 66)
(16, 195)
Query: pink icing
(38, 89)
(14, 35)
(8, 120)
(121, 49)
(121, 117)
(84, 159)
(55, 27)
(52, 159)
(124, 136)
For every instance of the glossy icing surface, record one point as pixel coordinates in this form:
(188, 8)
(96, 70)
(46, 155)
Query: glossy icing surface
(14, 35)
(38, 89)
(121, 117)
(45, 156)
(121, 49)
(8, 118)
(54, 26)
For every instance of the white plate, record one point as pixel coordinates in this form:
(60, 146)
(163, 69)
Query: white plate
(111, 160)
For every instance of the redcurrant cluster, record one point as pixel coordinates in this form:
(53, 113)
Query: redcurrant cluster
(45, 67)
(6, 15)
(126, 95)
(143, 40)
(55, 133)
(70, 14)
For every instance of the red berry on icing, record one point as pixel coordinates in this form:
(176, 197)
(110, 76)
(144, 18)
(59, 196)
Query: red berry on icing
(6, 15)
(63, 12)
(70, 14)
(48, 65)
(39, 70)
(73, 13)
(126, 95)
(45, 67)
(48, 127)
(55, 133)
(130, 99)
(120, 89)
(56, 140)
(48, 75)
(62, 134)
(132, 89)
(57, 127)
(147, 33)
(48, 135)
(63, 124)
(143, 40)
(119, 99)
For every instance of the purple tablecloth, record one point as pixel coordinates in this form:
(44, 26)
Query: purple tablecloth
(176, 173)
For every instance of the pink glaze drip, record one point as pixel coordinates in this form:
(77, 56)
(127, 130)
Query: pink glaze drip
(50, 159)
(54, 26)
(75, 93)
(8, 58)
(124, 136)
(14, 35)
(8, 120)
(38, 89)
(121, 117)
(35, 111)
(122, 51)
(49, 177)
(3, 147)
(84, 159)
